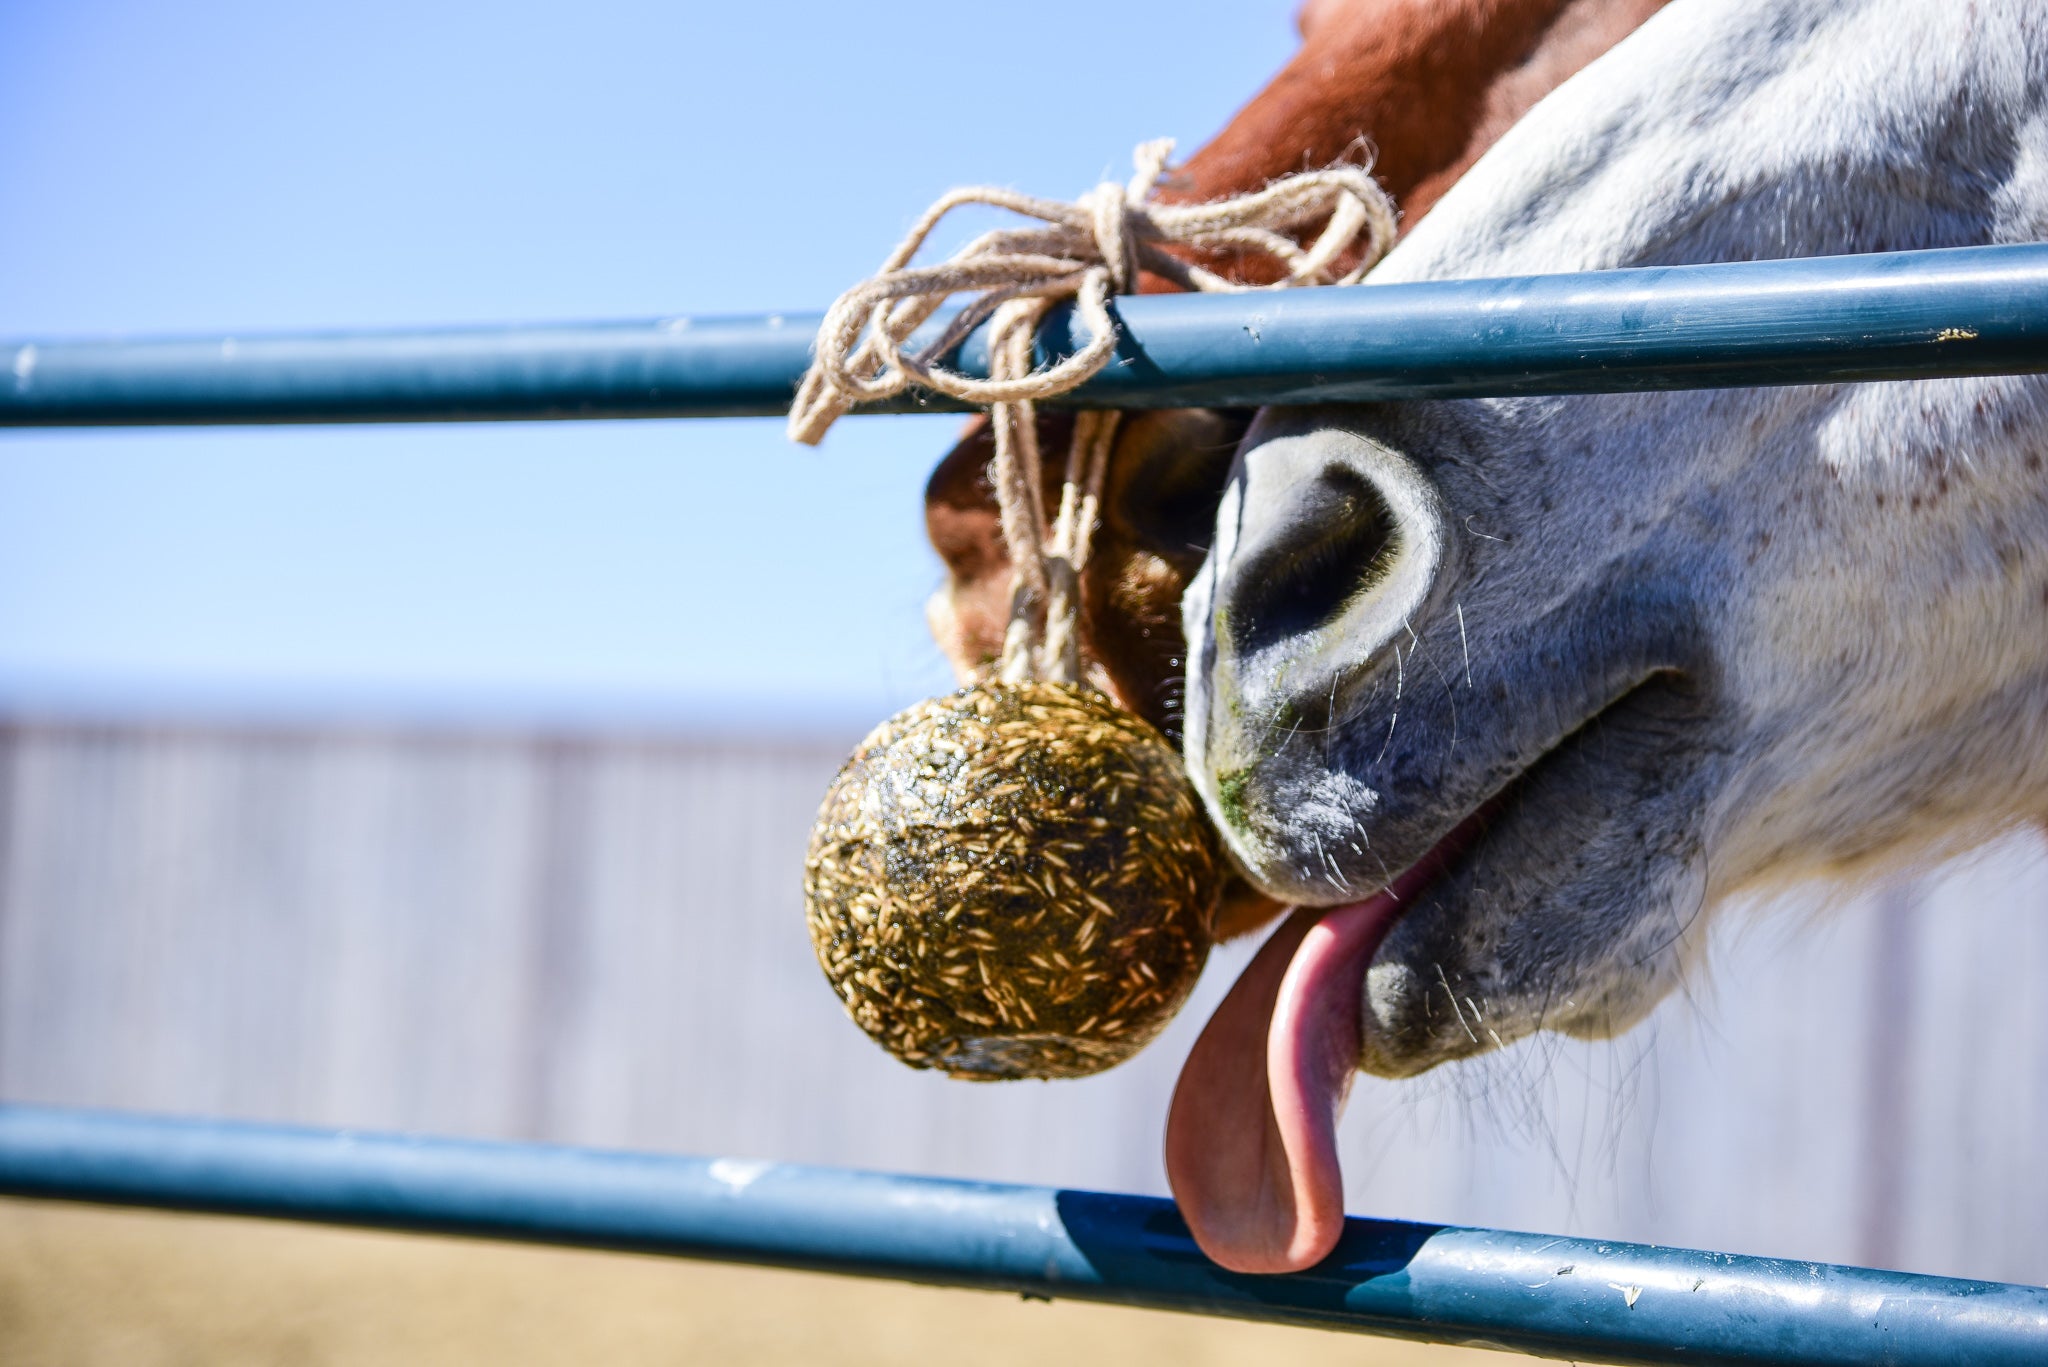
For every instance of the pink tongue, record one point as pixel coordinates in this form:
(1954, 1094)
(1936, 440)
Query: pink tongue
(1251, 1140)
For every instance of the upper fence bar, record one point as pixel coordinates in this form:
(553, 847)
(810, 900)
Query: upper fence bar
(1900, 315)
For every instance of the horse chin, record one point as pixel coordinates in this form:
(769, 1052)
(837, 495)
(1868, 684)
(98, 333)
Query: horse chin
(1568, 901)
(1465, 972)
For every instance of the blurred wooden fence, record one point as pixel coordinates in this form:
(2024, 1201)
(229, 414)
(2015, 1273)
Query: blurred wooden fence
(599, 939)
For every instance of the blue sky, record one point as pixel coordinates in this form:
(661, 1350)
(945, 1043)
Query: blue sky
(226, 165)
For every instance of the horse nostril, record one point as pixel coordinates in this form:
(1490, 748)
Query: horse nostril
(1339, 542)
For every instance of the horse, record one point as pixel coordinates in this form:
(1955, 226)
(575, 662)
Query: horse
(1422, 88)
(1509, 696)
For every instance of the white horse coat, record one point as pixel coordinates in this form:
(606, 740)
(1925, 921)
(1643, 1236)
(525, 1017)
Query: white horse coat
(1585, 667)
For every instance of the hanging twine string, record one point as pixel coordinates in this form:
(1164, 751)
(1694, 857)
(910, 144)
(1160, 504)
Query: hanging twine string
(1086, 251)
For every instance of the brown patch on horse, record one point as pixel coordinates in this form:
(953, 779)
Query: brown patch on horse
(1582, 31)
(1158, 507)
(1423, 88)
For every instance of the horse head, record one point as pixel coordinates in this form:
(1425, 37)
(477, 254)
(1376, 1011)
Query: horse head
(1508, 695)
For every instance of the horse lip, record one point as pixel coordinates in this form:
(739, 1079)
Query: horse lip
(1459, 840)
(1437, 860)
(1410, 883)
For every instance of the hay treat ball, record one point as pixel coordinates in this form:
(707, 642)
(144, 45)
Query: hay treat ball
(1012, 881)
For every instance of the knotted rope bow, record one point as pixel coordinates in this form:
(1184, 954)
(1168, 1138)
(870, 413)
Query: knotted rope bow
(1086, 251)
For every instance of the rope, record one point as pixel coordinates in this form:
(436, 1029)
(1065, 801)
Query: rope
(1086, 251)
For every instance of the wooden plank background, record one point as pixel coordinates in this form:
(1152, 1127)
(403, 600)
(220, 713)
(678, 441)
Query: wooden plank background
(598, 939)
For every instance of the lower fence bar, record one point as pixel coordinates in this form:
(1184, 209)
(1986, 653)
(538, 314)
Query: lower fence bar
(1922, 314)
(1584, 1299)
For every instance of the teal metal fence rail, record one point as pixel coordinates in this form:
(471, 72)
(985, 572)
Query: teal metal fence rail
(1584, 1299)
(1961, 311)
